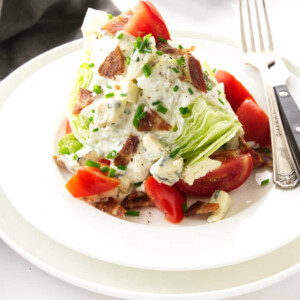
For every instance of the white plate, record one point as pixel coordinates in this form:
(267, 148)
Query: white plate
(261, 219)
(132, 283)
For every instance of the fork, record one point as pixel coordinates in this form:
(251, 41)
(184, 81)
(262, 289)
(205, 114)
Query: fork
(285, 172)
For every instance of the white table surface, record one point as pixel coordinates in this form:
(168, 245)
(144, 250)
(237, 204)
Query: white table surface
(21, 280)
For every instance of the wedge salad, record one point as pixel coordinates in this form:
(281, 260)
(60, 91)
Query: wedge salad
(149, 123)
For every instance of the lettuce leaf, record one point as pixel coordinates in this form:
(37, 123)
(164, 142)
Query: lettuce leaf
(69, 144)
(79, 123)
(205, 130)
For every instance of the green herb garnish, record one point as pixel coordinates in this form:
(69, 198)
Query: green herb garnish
(93, 164)
(221, 101)
(112, 172)
(104, 169)
(138, 42)
(176, 88)
(158, 52)
(138, 183)
(97, 89)
(134, 213)
(146, 70)
(190, 91)
(174, 153)
(109, 95)
(112, 154)
(162, 109)
(266, 181)
(120, 35)
(180, 46)
(91, 65)
(156, 102)
(175, 70)
(123, 95)
(95, 129)
(138, 112)
(75, 156)
(162, 39)
(184, 110)
(181, 60)
(144, 43)
(91, 119)
(127, 60)
(120, 167)
(109, 86)
(110, 16)
(184, 207)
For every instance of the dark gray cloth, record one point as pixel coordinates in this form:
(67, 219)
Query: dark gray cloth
(31, 27)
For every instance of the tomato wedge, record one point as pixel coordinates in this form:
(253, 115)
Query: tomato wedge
(146, 19)
(236, 167)
(255, 123)
(168, 199)
(68, 128)
(235, 92)
(88, 181)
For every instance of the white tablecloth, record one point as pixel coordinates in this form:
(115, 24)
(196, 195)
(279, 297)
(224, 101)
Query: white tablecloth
(20, 280)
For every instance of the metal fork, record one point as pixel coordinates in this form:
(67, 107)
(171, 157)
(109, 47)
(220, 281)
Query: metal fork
(285, 172)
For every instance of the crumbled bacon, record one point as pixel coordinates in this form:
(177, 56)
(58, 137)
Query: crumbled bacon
(129, 149)
(266, 156)
(152, 121)
(118, 23)
(137, 199)
(85, 98)
(168, 49)
(112, 207)
(114, 64)
(200, 208)
(195, 73)
(183, 78)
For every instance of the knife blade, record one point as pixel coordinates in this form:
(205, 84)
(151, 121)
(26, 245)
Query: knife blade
(288, 108)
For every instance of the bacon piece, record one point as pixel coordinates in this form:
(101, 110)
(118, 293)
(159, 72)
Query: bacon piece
(137, 199)
(152, 121)
(85, 98)
(112, 207)
(114, 64)
(168, 49)
(183, 78)
(200, 208)
(266, 156)
(195, 73)
(129, 149)
(118, 23)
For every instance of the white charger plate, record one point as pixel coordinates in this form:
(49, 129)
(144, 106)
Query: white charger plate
(261, 219)
(132, 283)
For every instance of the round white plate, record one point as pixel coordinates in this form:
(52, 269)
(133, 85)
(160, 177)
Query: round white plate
(31, 122)
(132, 283)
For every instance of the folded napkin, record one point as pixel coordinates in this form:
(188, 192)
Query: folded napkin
(31, 27)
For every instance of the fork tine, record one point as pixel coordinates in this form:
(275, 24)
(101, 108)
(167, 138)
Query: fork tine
(268, 27)
(253, 49)
(243, 36)
(262, 47)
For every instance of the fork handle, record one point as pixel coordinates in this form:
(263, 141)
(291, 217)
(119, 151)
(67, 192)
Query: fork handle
(290, 115)
(285, 172)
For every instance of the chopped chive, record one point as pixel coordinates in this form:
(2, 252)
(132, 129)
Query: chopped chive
(267, 150)
(180, 47)
(109, 86)
(120, 35)
(109, 95)
(176, 88)
(209, 86)
(214, 70)
(144, 43)
(219, 92)
(104, 169)
(112, 172)
(138, 183)
(127, 60)
(93, 164)
(161, 39)
(190, 91)
(120, 167)
(91, 119)
(148, 50)
(181, 60)
(184, 207)
(174, 153)
(97, 89)
(266, 181)
(91, 65)
(110, 16)
(138, 42)
(158, 52)
(162, 109)
(175, 70)
(184, 110)
(138, 112)
(141, 116)
(93, 111)
(112, 154)
(206, 72)
(95, 129)
(134, 213)
(123, 95)
(146, 70)
(221, 101)
(155, 102)
(75, 157)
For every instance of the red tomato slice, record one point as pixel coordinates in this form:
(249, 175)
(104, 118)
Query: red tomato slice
(255, 123)
(146, 19)
(68, 128)
(236, 167)
(167, 198)
(235, 92)
(88, 181)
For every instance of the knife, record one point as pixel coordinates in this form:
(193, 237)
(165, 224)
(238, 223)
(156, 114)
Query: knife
(289, 110)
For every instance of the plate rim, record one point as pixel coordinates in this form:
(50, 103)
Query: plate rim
(58, 52)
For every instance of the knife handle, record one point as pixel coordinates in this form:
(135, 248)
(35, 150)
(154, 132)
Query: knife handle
(290, 115)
